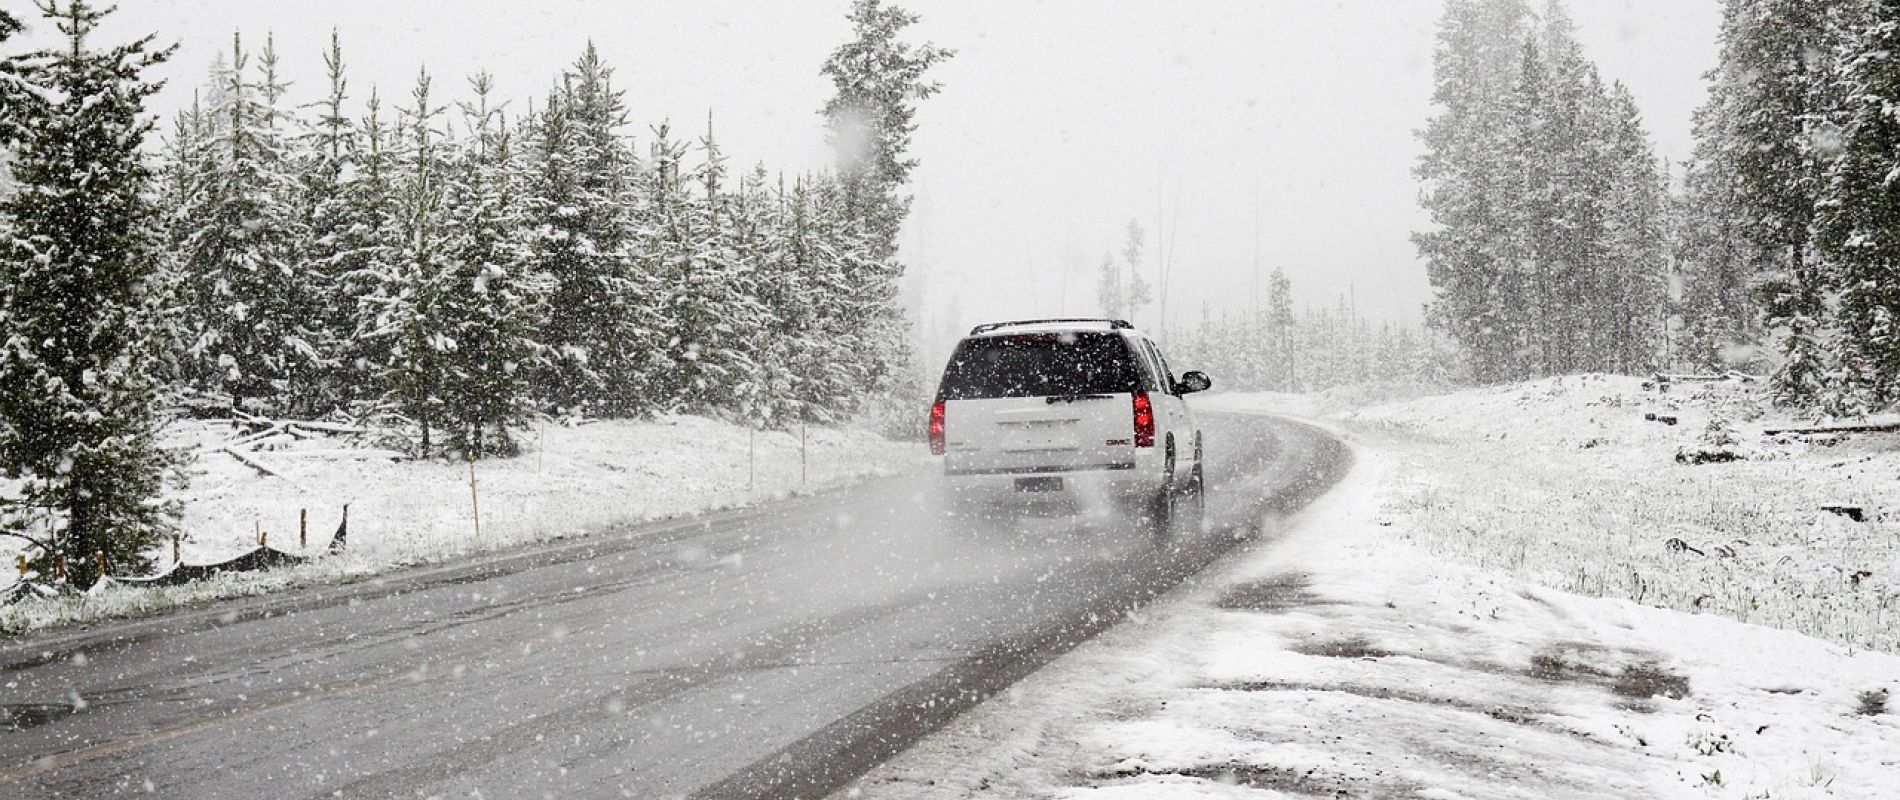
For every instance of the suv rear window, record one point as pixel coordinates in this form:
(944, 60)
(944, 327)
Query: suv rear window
(1039, 365)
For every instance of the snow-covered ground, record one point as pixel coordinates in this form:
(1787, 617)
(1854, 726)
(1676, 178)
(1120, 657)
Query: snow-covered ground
(571, 481)
(1566, 482)
(1393, 646)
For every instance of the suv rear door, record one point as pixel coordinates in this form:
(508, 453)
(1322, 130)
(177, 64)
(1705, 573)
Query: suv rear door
(1039, 402)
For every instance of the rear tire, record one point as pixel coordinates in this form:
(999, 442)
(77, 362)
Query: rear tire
(1161, 513)
(1195, 512)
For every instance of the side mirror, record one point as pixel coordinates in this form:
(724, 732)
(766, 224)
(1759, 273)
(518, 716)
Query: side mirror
(1195, 381)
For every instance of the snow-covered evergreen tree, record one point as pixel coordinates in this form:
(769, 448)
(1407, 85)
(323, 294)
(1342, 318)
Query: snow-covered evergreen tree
(604, 318)
(711, 298)
(1548, 251)
(1470, 250)
(1281, 372)
(362, 248)
(326, 163)
(1109, 294)
(15, 92)
(244, 282)
(79, 288)
(412, 311)
(1632, 277)
(1859, 221)
(1715, 261)
(1774, 55)
(491, 304)
(1140, 293)
(879, 80)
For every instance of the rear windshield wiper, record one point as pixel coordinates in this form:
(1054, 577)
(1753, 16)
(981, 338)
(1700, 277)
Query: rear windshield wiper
(1070, 398)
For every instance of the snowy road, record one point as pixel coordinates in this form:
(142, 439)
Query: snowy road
(770, 652)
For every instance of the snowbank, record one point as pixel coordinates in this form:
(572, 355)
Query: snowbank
(571, 481)
(1342, 661)
(1570, 483)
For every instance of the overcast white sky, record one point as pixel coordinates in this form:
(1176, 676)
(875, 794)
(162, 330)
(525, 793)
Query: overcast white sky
(1059, 121)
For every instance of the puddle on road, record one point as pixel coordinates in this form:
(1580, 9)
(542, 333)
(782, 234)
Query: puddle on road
(1349, 647)
(1272, 595)
(1516, 715)
(1308, 783)
(16, 717)
(1630, 674)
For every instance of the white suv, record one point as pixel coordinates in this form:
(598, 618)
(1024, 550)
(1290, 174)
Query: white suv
(1084, 407)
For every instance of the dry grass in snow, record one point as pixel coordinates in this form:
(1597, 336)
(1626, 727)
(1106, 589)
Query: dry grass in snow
(1565, 482)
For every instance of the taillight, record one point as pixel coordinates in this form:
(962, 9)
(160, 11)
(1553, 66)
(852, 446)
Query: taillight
(936, 429)
(1144, 421)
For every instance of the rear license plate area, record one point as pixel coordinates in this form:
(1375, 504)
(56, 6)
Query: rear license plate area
(1039, 484)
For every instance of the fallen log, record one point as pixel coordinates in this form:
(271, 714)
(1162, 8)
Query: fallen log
(353, 453)
(1816, 430)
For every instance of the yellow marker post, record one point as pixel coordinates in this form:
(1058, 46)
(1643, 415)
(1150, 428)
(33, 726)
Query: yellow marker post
(474, 499)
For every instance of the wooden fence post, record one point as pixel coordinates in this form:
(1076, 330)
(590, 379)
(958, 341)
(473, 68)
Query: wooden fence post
(303, 529)
(474, 499)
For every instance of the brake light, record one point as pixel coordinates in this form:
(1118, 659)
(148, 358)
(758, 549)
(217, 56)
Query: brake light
(936, 429)
(1144, 421)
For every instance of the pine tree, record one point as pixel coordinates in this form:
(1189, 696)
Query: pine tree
(1629, 304)
(180, 178)
(1139, 292)
(1470, 251)
(490, 304)
(605, 318)
(363, 251)
(1108, 288)
(1715, 260)
(822, 368)
(15, 92)
(1859, 221)
(1773, 58)
(79, 281)
(1548, 255)
(879, 80)
(1282, 371)
(710, 296)
(326, 163)
(414, 313)
(246, 285)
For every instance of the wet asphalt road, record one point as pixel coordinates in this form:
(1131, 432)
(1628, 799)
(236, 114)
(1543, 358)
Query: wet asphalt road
(777, 652)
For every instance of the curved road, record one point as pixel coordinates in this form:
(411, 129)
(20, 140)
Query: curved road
(774, 652)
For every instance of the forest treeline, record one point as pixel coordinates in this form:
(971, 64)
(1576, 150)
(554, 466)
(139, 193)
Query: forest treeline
(451, 268)
(440, 263)
(1548, 251)
(1556, 247)
(1790, 216)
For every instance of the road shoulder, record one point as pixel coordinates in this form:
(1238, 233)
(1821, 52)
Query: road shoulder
(1337, 660)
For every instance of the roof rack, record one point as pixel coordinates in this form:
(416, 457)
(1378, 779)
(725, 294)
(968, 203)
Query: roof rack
(1113, 324)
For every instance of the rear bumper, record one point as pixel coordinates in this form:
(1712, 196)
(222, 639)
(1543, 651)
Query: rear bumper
(1120, 466)
(1139, 477)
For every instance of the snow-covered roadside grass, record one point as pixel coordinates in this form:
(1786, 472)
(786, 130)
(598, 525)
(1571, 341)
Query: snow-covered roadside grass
(1565, 482)
(1344, 660)
(571, 481)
